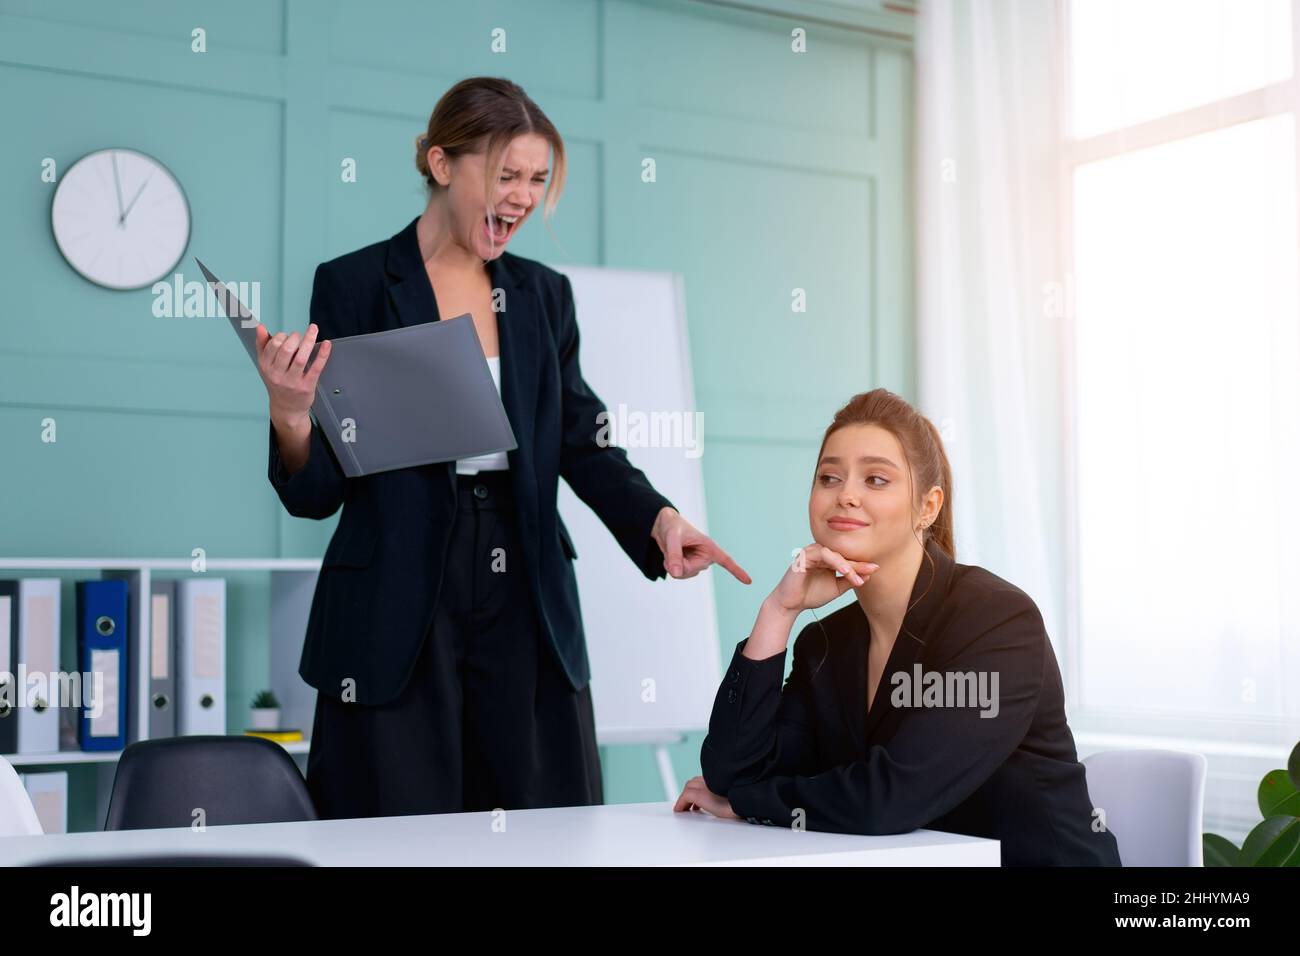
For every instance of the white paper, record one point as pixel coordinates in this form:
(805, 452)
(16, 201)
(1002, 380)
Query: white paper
(160, 641)
(207, 634)
(105, 662)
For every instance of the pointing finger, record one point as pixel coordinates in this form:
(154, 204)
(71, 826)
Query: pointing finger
(724, 559)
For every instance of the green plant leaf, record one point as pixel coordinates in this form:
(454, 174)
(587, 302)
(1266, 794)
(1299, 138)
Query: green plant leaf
(1275, 842)
(1293, 766)
(1278, 796)
(1219, 851)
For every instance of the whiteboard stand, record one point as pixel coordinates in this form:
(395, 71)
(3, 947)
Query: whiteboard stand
(659, 740)
(653, 645)
(666, 773)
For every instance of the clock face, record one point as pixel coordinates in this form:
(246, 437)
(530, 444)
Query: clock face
(120, 218)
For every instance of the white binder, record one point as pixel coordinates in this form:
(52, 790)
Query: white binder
(49, 795)
(201, 655)
(38, 654)
(162, 666)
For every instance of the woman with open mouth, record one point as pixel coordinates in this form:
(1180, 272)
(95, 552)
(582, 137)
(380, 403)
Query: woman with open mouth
(445, 638)
(933, 700)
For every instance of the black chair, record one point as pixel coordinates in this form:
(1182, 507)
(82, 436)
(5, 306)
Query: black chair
(161, 783)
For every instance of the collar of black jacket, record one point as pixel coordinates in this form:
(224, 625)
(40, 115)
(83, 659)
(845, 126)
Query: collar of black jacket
(929, 591)
(413, 293)
(933, 579)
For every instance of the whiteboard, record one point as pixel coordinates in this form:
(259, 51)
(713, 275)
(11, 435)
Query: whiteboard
(653, 645)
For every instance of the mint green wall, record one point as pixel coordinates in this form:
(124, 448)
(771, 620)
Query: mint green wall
(775, 171)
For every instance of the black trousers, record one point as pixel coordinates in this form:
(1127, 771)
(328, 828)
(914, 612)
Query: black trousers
(488, 719)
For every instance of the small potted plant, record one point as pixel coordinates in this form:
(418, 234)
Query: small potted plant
(1275, 841)
(265, 714)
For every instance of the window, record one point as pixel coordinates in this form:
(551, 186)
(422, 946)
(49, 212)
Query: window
(1138, 60)
(1181, 172)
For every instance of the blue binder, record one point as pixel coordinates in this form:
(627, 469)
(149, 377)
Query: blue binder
(102, 642)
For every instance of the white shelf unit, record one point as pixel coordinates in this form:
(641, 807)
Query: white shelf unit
(293, 581)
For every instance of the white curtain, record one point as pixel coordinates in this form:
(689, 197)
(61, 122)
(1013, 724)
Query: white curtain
(990, 288)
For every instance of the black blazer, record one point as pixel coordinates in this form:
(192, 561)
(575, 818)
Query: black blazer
(812, 744)
(381, 572)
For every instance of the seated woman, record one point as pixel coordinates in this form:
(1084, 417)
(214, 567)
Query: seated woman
(934, 700)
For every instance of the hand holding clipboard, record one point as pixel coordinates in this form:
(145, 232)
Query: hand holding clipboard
(385, 402)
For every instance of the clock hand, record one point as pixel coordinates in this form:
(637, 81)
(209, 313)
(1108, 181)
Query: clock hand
(137, 196)
(118, 183)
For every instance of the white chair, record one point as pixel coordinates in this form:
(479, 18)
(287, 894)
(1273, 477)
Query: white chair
(1153, 801)
(17, 815)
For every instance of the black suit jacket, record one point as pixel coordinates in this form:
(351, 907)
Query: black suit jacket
(381, 572)
(1014, 777)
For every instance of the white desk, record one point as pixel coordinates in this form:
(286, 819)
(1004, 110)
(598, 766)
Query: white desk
(629, 834)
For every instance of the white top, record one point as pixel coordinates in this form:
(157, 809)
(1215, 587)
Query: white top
(497, 460)
(648, 834)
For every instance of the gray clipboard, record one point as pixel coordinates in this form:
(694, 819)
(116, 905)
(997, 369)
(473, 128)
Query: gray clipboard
(418, 395)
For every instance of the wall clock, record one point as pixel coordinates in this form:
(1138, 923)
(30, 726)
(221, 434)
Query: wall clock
(120, 218)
